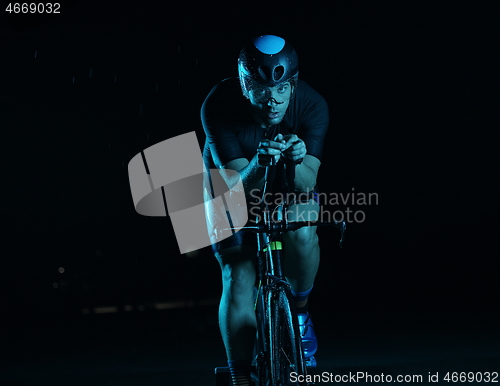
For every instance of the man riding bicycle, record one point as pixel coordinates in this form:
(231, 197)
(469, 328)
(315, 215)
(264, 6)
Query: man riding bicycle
(266, 113)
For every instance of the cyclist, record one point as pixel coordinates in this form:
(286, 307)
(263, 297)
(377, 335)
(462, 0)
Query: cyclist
(267, 112)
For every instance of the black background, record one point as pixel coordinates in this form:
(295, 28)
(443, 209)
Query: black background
(413, 98)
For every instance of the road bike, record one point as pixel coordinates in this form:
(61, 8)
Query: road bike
(279, 357)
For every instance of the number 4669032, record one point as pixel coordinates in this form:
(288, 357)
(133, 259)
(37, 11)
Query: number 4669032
(471, 377)
(33, 8)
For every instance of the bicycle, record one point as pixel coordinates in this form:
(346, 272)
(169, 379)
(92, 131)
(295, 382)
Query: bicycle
(278, 348)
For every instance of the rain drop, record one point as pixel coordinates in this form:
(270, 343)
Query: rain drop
(90, 75)
(35, 53)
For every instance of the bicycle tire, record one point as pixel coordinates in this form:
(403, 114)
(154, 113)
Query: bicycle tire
(262, 363)
(285, 346)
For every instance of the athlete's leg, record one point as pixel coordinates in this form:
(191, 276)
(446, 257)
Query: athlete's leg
(237, 320)
(300, 264)
(236, 313)
(301, 249)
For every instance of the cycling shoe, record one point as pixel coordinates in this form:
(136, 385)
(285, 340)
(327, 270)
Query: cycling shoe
(309, 341)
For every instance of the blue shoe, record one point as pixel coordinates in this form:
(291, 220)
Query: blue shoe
(309, 341)
(311, 362)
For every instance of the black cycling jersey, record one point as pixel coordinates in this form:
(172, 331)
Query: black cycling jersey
(232, 133)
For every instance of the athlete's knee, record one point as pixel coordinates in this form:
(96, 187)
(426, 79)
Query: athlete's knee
(238, 277)
(304, 237)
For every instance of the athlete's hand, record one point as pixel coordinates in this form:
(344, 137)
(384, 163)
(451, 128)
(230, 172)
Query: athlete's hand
(268, 149)
(295, 148)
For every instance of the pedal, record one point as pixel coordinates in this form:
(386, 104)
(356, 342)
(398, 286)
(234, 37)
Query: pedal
(222, 376)
(311, 362)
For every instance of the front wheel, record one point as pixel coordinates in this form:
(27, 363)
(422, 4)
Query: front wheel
(287, 359)
(262, 362)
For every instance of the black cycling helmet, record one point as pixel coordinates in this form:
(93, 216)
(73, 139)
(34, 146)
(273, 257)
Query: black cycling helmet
(267, 60)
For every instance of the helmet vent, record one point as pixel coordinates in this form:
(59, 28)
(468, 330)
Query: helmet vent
(265, 73)
(278, 73)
